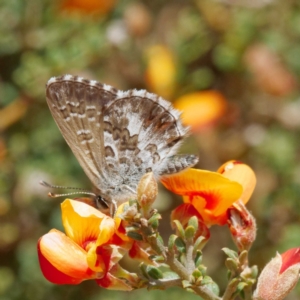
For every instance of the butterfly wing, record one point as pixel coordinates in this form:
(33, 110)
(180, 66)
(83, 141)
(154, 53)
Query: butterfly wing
(117, 136)
(77, 107)
(142, 131)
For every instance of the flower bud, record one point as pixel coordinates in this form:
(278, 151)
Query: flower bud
(242, 226)
(146, 193)
(186, 216)
(279, 276)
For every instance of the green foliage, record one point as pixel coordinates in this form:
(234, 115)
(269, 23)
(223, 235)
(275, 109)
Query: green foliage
(209, 40)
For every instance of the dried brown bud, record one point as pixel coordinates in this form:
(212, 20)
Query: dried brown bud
(242, 226)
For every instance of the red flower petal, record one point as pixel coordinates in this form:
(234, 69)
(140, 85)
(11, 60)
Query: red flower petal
(290, 258)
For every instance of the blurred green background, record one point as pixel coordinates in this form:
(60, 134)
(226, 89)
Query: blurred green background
(247, 50)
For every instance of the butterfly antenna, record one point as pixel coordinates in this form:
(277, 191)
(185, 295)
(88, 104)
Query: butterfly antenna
(52, 186)
(52, 195)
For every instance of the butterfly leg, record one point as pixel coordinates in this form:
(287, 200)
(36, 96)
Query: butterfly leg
(178, 163)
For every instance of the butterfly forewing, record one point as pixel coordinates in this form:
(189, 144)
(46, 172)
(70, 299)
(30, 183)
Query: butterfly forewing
(116, 136)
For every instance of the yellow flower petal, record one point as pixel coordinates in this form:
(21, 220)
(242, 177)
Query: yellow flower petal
(242, 174)
(95, 261)
(161, 71)
(107, 229)
(81, 221)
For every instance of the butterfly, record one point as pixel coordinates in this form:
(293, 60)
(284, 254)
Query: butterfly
(117, 136)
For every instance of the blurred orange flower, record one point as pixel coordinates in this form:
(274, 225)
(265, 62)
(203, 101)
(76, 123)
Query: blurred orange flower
(212, 193)
(201, 109)
(90, 248)
(160, 73)
(89, 6)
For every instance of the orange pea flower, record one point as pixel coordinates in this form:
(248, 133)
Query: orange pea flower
(213, 193)
(90, 249)
(89, 6)
(201, 109)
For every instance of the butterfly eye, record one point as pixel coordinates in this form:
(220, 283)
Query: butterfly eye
(102, 204)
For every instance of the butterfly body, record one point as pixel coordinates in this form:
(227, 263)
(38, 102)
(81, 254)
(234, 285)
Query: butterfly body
(117, 136)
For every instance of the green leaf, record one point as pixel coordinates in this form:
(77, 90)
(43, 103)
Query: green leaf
(200, 243)
(143, 269)
(154, 272)
(135, 236)
(189, 232)
(180, 245)
(241, 286)
(170, 275)
(254, 272)
(193, 221)
(230, 253)
(243, 257)
(197, 273)
(198, 258)
(179, 228)
(231, 264)
(171, 242)
(154, 220)
(210, 284)
(202, 269)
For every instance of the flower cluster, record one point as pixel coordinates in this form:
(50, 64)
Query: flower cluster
(90, 249)
(93, 243)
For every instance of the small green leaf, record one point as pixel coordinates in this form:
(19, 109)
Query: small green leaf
(243, 257)
(231, 264)
(230, 253)
(198, 258)
(200, 243)
(210, 284)
(171, 242)
(135, 236)
(179, 228)
(254, 272)
(154, 219)
(193, 221)
(197, 274)
(202, 269)
(186, 284)
(143, 269)
(241, 286)
(170, 275)
(154, 224)
(189, 232)
(154, 273)
(180, 245)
